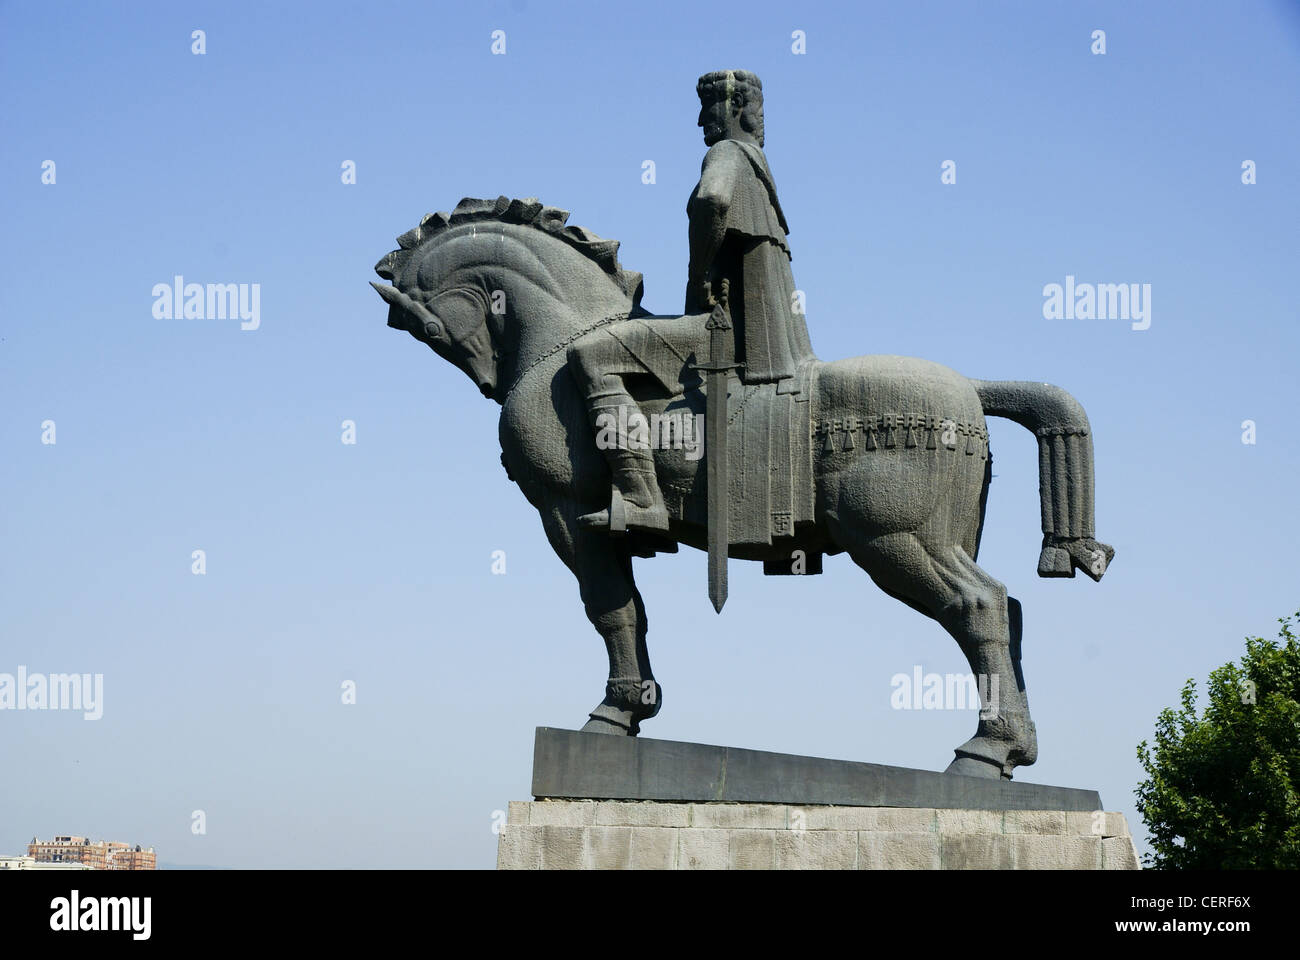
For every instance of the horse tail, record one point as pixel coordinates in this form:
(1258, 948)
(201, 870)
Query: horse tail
(1065, 471)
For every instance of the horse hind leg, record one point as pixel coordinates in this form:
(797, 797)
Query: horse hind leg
(987, 625)
(603, 567)
(948, 586)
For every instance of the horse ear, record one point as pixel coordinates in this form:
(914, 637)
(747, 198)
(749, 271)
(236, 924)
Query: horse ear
(395, 298)
(390, 294)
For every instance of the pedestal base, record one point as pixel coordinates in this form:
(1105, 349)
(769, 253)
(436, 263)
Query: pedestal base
(646, 835)
(614, 803)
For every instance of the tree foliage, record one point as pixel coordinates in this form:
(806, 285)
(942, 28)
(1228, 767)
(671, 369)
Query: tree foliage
(1221, 789)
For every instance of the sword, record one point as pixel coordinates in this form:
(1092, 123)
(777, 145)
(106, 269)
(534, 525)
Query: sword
(715, 444)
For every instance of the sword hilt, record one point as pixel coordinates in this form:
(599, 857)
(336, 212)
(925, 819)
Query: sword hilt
(718, 324)
(720, 317)
(717, 367)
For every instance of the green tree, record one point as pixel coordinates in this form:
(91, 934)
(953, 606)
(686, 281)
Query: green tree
(1221, 789)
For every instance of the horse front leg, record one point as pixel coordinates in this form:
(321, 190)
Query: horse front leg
(603, 566)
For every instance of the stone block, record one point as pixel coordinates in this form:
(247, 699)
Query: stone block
(561, 847)
(654, 848)
(816, 850)
(562, 813)
(1045, 822)
(1116, 825)
(834, 818)
(1119, 853)
(519, 847)
(898, 851)
(607, 848)
(906, 820)
(642, 813)
(1030, 852)
(957, 822)
(751, 849)
(973, 851)
(740, 816)
(703, 849)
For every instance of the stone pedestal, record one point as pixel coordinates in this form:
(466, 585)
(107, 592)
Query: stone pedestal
(609, 803)
(648, 835)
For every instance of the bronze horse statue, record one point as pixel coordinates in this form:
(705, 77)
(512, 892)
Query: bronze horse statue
(896, 448)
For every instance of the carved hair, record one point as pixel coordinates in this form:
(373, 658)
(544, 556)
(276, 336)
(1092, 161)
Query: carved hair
(530, 212)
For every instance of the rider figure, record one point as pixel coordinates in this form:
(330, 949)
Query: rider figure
(737, 234)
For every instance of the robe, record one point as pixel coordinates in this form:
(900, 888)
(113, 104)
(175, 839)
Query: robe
(771, 338)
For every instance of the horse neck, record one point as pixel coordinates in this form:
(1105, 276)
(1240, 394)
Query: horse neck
(553, 293)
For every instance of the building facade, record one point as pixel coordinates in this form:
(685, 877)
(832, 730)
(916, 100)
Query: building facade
(97, 855)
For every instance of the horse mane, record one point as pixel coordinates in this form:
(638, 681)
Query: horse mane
(529, 212)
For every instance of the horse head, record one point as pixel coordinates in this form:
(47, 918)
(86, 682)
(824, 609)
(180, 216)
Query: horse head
(454, 325)
(462, 283)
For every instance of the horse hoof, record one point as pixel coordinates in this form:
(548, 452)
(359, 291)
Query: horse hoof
(1054, 562)
(1092, 557)
(611, 720)
(1061, 557)
(600, 725)
(967, 766)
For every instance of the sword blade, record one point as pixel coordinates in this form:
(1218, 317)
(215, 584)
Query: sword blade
(715, 438)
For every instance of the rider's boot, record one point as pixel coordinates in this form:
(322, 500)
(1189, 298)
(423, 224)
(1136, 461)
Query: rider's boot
(635, 501)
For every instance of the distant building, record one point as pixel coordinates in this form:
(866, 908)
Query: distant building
(134, 859)
(31, 863)
(100, 855)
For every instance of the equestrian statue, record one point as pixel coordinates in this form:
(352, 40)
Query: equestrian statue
(631, 432)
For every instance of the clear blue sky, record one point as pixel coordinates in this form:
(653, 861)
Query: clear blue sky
(372, 562)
